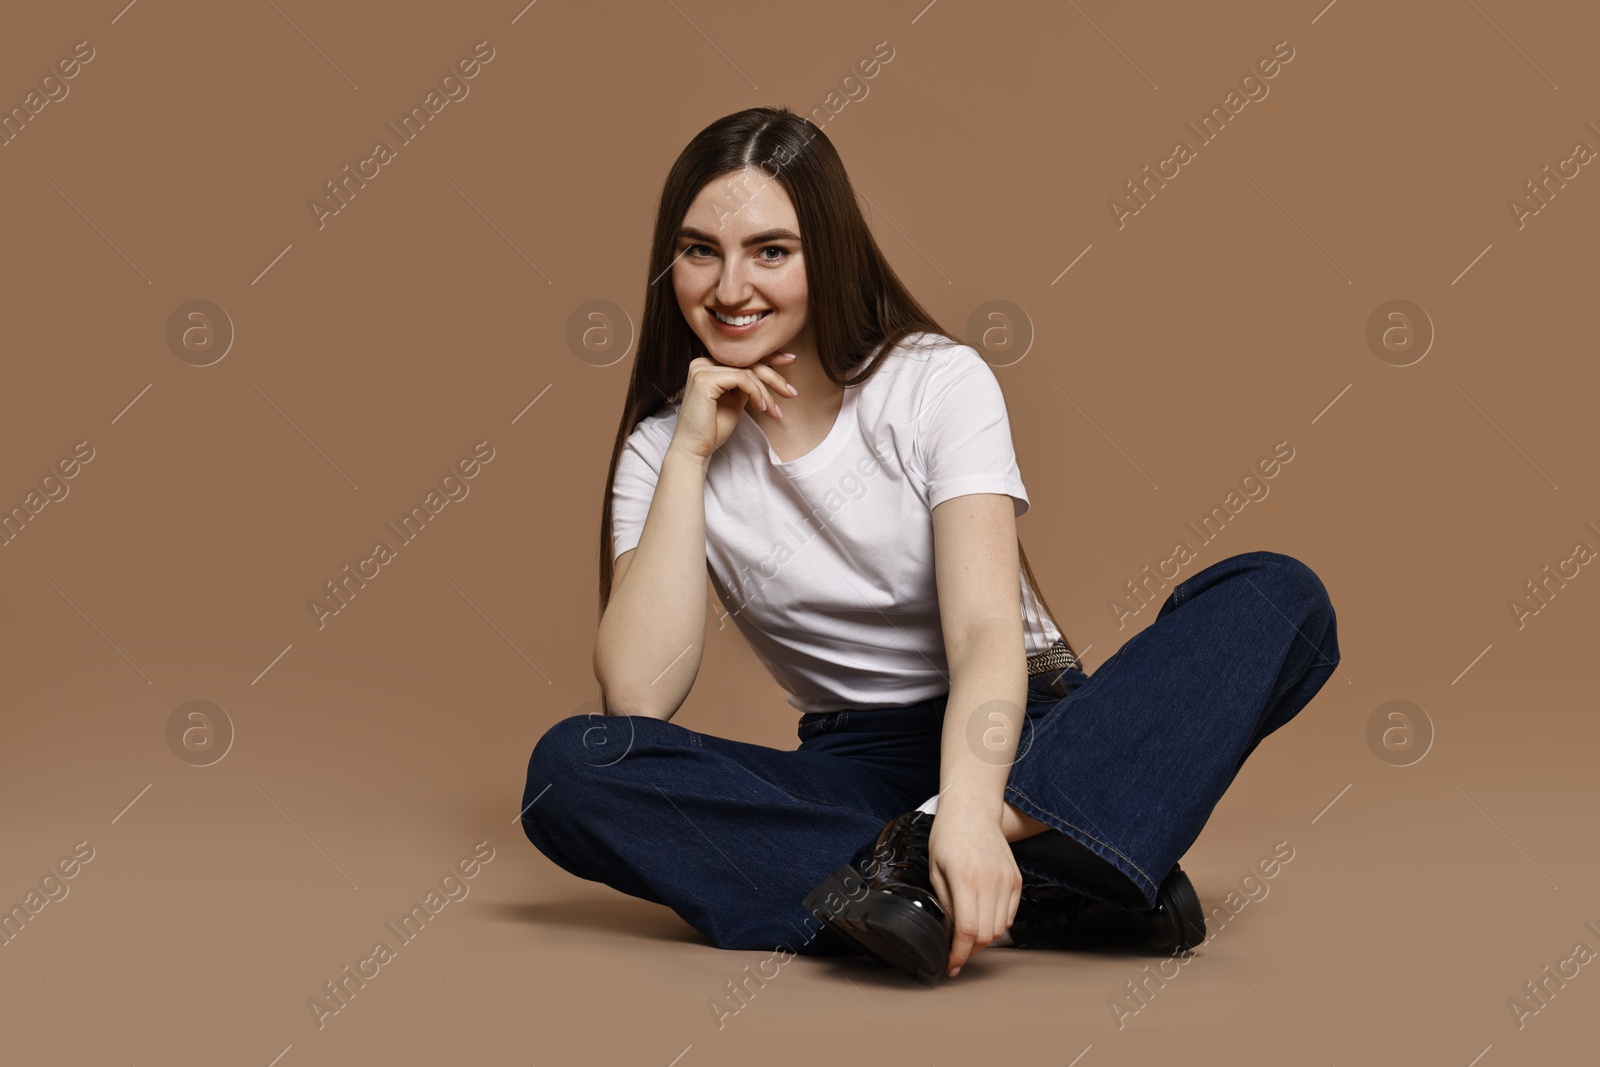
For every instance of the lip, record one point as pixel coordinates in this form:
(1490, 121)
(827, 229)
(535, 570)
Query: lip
(736, 331)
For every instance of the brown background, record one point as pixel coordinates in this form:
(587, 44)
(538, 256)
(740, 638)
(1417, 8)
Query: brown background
(370, 355)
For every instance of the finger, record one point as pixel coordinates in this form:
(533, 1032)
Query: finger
(768, 401)
(983, 909)
(753, 394)
(1010, 896)
(756, 393)
(772, 377)
(966, 927)
(720, 383)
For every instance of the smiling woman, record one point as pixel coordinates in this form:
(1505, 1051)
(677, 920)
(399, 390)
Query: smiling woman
(701, 277)
(785, 365)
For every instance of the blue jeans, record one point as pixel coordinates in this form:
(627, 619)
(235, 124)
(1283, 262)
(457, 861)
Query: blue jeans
(1127, 765)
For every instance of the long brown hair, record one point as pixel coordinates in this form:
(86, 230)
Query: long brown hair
(858, 304)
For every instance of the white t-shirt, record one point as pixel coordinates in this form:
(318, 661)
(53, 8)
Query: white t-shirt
(825, 563)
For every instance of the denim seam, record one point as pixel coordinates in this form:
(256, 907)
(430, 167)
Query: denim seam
(1029, 800)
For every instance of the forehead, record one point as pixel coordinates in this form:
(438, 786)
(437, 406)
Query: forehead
(742, 202)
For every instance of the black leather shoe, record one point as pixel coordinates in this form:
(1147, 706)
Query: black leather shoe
(883, 900)
(1050, 915)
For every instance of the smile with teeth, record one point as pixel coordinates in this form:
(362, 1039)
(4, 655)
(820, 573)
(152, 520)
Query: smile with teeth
(742, 320)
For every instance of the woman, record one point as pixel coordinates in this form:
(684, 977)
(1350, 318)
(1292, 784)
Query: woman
(796, 422)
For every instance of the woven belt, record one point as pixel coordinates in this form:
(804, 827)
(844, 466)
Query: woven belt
(1058, 657)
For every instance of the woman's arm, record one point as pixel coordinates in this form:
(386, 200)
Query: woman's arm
(647, 652)
(980, 610)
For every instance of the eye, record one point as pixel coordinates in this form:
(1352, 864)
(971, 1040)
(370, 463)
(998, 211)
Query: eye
(689, 251)
(774, 248)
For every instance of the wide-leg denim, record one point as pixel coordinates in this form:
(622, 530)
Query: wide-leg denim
(1128, 764)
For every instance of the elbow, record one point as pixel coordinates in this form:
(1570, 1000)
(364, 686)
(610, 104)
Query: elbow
(621, 695)
(620, 700)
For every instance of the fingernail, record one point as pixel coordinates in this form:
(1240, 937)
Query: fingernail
(776, 409)
(793, 391)
(955, 972)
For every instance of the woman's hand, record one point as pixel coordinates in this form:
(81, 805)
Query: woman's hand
(714, 396)
(975, 877)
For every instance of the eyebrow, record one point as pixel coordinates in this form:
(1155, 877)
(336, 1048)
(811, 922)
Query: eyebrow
(760, 238)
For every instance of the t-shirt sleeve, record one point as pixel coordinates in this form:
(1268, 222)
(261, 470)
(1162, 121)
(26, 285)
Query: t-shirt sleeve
(638, 470)
(963, 433)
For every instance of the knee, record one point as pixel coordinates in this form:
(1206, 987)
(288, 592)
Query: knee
(1297, 592)
(574, 754)
(1294, 580)
(578, 744)
(564, 757)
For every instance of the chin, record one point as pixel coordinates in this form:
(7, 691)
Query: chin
(729, 359)
(738, 353)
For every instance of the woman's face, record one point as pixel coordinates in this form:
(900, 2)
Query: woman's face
(738, 252)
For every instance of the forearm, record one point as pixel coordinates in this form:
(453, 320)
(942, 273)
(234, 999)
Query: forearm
(983, 718)
(648, 648)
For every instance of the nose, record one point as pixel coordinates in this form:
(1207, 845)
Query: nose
(731, 284)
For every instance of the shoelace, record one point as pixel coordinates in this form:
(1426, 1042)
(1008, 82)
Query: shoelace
(917, 843)
(909, 848)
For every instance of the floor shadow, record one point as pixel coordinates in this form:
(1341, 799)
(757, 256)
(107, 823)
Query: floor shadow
(624, 916)
(863, 970)
(1103, 952)
(982, 967)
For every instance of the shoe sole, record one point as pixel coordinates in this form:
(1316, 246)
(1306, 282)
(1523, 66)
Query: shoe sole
(890, 928)
(1186, 909)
